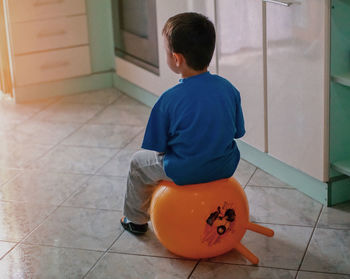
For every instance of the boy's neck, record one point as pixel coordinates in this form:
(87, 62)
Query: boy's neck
(190, 72)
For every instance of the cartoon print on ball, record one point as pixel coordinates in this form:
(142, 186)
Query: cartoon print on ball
(219, 223)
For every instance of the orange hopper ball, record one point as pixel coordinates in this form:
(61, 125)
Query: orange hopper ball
(203, 220)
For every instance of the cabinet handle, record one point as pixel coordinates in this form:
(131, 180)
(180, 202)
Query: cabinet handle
(54, 65)
(286, 4)
(42, 3)
(50, 34)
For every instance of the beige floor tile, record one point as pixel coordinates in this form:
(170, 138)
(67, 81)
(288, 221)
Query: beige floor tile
(284, 250)
(19, 219)
(103, 135)
(207, 270)
(13, 114)
(5, 247)
(123, 115)
(119, 165)
(7, 174)
(78, 228)
(68, 113)
(131, 266)
(42, 132)
(126, 100)
(337, 217)
(147, 245)
(261, 178)
(103, 97)
(329, 251)
(100, 192)
(315, 275)
(86, 160)
(27, 261)
(19, 155)
(244, 172)
(41, 187)
(282, 206)
(136, 143)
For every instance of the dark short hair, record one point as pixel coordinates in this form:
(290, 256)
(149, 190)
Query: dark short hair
(192, 35)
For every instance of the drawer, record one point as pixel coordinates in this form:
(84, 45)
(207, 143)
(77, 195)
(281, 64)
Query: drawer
(52, 65)
(24, 10)
(49, 34)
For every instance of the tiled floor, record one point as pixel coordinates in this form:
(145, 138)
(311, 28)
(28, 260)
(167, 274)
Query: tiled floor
(63, 165)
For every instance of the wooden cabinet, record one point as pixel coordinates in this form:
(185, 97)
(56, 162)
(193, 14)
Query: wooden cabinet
(24, 10)
(49, 34)
(49, 40)
(52, 65)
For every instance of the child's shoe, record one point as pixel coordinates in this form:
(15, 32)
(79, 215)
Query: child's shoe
(133, 228)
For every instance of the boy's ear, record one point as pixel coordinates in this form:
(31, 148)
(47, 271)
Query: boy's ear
(179, 58)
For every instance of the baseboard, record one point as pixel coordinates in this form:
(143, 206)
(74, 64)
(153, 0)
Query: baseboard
(134, 91)
(312, 187)
(63, 87)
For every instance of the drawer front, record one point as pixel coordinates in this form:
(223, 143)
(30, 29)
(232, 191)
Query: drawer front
(23, 10)
(52, 65)
(49, 34)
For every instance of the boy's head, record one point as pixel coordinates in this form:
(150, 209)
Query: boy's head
(193, 36)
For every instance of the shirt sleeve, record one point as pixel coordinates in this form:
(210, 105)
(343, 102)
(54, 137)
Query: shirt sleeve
(239, 119)
(156, 134)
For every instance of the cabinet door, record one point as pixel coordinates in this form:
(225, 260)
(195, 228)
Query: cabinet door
(240, 60)
(297, 83)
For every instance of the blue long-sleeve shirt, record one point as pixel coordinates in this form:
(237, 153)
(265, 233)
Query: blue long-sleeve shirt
(195, 124)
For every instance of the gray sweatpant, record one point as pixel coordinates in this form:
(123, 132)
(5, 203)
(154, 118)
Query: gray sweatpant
(146, 170)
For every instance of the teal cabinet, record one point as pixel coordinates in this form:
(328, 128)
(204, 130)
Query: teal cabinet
(340, 97)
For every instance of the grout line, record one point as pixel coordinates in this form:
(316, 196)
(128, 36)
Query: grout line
(33, 230)
(274, 187)
(151, 256)
(312, 234)
(115, 155)
(250, 178)
(83, 182)
(189, 276)
(20, 172)
(93, 208)
(103, 255)
(248, 264)
(60, 247)
(79, 188)
(9, 251)
(121, 94)
(323, 272)
(89, 146)
(14, 127)
(103, 108)
(279, 224)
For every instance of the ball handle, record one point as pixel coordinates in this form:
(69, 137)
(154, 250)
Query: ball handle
(247, 253)
(260, 229)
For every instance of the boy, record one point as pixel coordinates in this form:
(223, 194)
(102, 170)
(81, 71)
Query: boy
(190, 133)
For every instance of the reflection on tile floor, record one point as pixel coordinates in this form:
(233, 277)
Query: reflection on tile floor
(63, 167)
